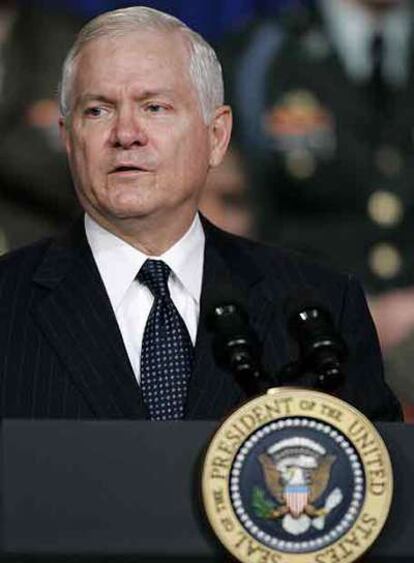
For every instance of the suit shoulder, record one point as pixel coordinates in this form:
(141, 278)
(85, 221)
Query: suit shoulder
(25, 258)
(272, 260)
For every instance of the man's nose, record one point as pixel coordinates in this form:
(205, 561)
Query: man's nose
(129, 130)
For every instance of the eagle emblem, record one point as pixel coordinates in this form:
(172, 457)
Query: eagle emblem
(296, 472)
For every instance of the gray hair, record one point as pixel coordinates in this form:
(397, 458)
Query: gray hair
(204, 67)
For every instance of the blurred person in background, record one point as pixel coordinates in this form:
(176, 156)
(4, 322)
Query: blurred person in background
(36, 196)
(225, 199)
(329, 128)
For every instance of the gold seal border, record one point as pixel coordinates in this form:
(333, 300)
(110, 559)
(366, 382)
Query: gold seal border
(281, 403)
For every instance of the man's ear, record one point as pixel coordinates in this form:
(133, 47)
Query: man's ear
(220, 132)
(64, 133)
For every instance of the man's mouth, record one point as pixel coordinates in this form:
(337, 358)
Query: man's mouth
(127, 169)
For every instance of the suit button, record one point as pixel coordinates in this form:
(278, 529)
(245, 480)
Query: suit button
(389, 161)
(385, 260)
(385, 208)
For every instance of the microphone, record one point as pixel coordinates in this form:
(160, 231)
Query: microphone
(235, 345)
(322, 349)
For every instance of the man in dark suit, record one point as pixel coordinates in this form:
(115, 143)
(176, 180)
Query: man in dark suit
(83, 318)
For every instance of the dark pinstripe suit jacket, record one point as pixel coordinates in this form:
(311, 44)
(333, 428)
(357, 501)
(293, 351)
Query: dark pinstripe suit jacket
(62, 354)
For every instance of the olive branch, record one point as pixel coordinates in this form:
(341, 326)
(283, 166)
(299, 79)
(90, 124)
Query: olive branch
(262, 507)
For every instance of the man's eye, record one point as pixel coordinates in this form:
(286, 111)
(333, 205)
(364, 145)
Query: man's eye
(155, 108)
(94, 111)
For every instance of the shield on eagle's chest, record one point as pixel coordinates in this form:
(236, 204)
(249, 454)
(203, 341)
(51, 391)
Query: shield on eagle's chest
(296, 498)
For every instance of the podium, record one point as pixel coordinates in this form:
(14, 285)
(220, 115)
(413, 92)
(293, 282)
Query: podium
(130, 491)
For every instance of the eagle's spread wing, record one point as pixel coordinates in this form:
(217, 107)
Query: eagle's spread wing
(320, 477)
(272, 477)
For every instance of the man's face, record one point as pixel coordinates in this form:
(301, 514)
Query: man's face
(136, 140)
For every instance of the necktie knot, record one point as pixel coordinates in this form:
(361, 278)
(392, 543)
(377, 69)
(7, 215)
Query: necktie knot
(154, 274)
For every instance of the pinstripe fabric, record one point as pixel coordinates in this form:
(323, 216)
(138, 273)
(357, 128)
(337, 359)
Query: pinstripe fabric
(62, 354)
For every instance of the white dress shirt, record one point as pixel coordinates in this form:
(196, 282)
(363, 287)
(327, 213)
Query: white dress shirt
(118, 263)
(352, 28)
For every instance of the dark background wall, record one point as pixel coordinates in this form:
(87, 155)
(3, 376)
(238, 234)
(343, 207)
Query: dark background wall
(211, 18)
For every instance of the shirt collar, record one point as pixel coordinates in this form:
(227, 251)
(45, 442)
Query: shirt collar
(118, 262)
(351, 29)
(186, 259)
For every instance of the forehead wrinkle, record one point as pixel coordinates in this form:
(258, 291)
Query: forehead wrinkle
(144, 95)
(113, 44)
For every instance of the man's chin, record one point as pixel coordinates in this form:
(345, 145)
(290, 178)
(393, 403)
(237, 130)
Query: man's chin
(118, 214)
(126, 207)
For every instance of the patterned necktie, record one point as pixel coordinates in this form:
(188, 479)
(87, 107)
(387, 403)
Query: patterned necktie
(167, 351)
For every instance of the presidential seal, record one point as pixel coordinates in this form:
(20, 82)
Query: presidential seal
(297, 476)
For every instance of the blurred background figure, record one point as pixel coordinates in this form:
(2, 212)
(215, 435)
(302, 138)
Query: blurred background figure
(329, 131)
(35, 192)
(226, 197)
(324, 111)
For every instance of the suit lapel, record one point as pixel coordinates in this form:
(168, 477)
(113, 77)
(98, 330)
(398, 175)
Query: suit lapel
(209, 391)
(74, 312)
(212, 391)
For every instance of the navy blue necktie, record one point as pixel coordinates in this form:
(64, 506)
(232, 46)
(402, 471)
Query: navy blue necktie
(167, 351)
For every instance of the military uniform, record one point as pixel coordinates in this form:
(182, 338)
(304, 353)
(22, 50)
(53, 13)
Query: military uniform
(36, 194)
(333, 160)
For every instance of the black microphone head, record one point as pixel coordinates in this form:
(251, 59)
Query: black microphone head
(322, 348)
(306, 314)
(300, 299)
(235, 345)
(225, 312)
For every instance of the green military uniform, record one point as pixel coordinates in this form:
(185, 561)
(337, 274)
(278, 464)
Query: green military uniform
(333, 159)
